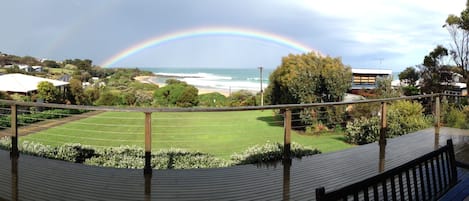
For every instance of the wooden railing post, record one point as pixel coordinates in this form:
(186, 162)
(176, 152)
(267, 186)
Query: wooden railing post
(14, 131)
(382, 137)
(14, 178)
(437, 121)
(147, 169)
(287, 134)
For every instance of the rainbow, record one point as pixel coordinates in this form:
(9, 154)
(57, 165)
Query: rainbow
(208, 31)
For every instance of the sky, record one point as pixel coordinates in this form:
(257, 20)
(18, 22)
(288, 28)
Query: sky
(380, 34)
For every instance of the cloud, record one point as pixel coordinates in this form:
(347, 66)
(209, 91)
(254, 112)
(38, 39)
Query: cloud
(365, 33)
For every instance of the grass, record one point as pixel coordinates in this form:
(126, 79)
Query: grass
(217, 133)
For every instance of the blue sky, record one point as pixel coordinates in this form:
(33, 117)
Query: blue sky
(390, 34)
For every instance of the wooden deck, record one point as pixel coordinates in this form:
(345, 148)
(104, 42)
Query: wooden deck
(43, 179)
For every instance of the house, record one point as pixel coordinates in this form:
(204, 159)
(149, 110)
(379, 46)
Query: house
(65, 78)
(26, 68)
(452, 83)
(25, 84)
(367, 78)
(37, 68)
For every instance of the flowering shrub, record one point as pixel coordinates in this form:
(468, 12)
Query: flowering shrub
(270, 152)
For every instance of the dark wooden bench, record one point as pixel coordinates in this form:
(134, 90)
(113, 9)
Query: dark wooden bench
(425, 178)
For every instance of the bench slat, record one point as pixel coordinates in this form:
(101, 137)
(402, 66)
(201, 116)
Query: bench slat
(432, 175)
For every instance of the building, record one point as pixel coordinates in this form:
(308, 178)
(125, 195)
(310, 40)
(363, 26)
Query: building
(25, 84)
(367, 78)
(452, 84)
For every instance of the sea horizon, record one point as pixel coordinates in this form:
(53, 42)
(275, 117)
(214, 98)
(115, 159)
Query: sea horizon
(225, 79)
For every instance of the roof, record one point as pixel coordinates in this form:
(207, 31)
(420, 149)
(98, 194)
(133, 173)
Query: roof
(21, 83)
(371, 71)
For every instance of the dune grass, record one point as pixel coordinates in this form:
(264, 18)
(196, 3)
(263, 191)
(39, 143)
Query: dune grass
(218, 133)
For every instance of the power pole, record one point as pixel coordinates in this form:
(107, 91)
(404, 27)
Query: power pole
(262, 90)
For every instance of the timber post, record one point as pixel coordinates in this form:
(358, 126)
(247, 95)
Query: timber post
(14, 131)
(382, 137)
(287, 134)
(437, 121)
(147, 169)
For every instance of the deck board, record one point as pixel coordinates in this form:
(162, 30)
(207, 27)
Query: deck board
(45, 179)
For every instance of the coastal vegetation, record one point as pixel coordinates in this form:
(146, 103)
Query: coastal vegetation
(311, 78)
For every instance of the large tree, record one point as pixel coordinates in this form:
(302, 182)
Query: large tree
(431, 71)
(458, 28)
(410, 76)
(47, 92)
(310, 78)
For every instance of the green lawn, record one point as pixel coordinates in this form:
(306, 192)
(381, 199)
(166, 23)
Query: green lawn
(217, 133)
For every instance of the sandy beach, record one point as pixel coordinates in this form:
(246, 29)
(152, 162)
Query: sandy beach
(149, 80)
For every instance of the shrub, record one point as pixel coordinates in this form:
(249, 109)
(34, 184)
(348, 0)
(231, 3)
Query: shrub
(457, 118)
(242, 98)
(214, 99)
(74, 152)
(270, 152)
(133, 157)
(403, 117)
(176, 93)
(362, 130)
(35, 149)
(183, 159)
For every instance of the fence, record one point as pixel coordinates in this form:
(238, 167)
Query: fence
(286, 116)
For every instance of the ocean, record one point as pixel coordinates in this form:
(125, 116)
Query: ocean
(225, 79)
(216, 78)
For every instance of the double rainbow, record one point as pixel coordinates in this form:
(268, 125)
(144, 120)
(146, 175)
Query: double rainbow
(208, 31)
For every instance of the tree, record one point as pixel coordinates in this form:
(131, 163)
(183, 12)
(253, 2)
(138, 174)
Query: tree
(48, 92)
(51, 64)
(384, 88)
(176, 93)
(431, 71)
(409, 76)
(77, 92)
(108, 98)
(310, 78)
(458, 28)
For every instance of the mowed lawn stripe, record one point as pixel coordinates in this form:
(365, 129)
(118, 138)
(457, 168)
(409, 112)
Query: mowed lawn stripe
(217, 133)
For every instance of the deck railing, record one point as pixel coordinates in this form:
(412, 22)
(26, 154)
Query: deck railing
(286, 111)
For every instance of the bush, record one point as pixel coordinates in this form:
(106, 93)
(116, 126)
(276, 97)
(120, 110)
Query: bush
(176, 93)
(214, 99)
(183, 159)
(457, 118)
(242, 98)
(403, 117)
(74, 153)
(270, 152)
(133, 157)
(362, 130)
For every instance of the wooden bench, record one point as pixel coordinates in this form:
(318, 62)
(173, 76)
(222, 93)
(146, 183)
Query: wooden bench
(425, 178)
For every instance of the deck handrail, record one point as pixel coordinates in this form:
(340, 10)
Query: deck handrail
(220, 109)
(287, 121)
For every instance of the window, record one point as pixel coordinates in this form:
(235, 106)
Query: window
(364, 79)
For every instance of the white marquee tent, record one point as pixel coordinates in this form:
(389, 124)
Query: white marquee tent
(21, 83)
